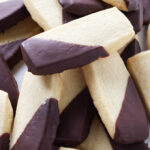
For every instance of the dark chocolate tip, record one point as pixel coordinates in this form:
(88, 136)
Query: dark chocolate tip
(132, 124)
(136, 17)
(67, 17)
(4, 142)
(12, 11)
(132, 5)
(75, 121)
(45, 57)
(146, 5)
(81, 7)
(132, 49)
(40, 132)
(8, 83)
(11, 52)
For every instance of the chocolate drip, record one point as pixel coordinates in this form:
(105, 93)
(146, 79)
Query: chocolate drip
(40, 132)
(4, 142)
(8, 83)
(132, 49)
(11, 12)
(47, 56)
(81, 7)
(136, 17)
(75, 121)
(11, 52)
(131, 125)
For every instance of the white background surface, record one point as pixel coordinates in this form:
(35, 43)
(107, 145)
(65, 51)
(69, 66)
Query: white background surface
(20, 68)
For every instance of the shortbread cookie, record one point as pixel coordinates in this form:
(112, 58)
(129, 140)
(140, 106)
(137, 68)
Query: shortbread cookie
(81, 7)
(116, 99)
(37, 115)
(76, 110)
(125, 5)
(77, 43)
(132, 49)
(136, 17)
(6, 120)
(8, 83)
(98, 139)
(148, 37)
(138, 66)
(65, 148)
(11, 11)
(11, 39)
(146, 4)
(47, 13)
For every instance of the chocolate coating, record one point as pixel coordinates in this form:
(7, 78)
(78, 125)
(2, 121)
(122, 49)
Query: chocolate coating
(132, 49)
(81, 7)
(136, 17)
(40, 132)
(75, 121)
(11, 12)
(8, 83)
(132, 4)
(132, 124)
(146, 5)
(11, 52)
(47, 56)
(4, 142)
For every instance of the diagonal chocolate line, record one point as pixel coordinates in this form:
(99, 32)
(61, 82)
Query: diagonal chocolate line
(40, 132)
(132, 117)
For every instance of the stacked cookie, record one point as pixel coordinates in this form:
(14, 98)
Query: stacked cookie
(78, 93)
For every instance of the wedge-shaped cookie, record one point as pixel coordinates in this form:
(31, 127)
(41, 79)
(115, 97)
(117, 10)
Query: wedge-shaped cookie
(146, 14)
(37, 115)
(148, 37)
(132, 49)
(80, 7)
(99, 139)
(125, 5)
(6, 117)
(78, 42)
(12, 11)
(138, 66)
(76, 110)
(8, 83)
(116, 99)
(11, 39)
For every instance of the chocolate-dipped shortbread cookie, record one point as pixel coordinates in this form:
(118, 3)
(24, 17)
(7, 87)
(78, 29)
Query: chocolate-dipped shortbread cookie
(8, 83)
(148, 37)
(76, 110)
(125, 5)
(11, 39)
(81, 7)
(11, 11)
(132, 49)
(37, 115)
(138, 66)
(77, 43)
(116, 99)
(99, 139)
(6, 120)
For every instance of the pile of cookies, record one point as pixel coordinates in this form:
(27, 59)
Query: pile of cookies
(87, 84)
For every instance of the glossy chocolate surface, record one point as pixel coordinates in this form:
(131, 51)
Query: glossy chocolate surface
(132, 124)
(75, 121)
(4, 142)
(40, 132)
(136, 17)
(81, 7)
(11, 52)
(132, 49)
(8, 83)
(132, 5)
(146, 5)
(47, 56)
(11, 12)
